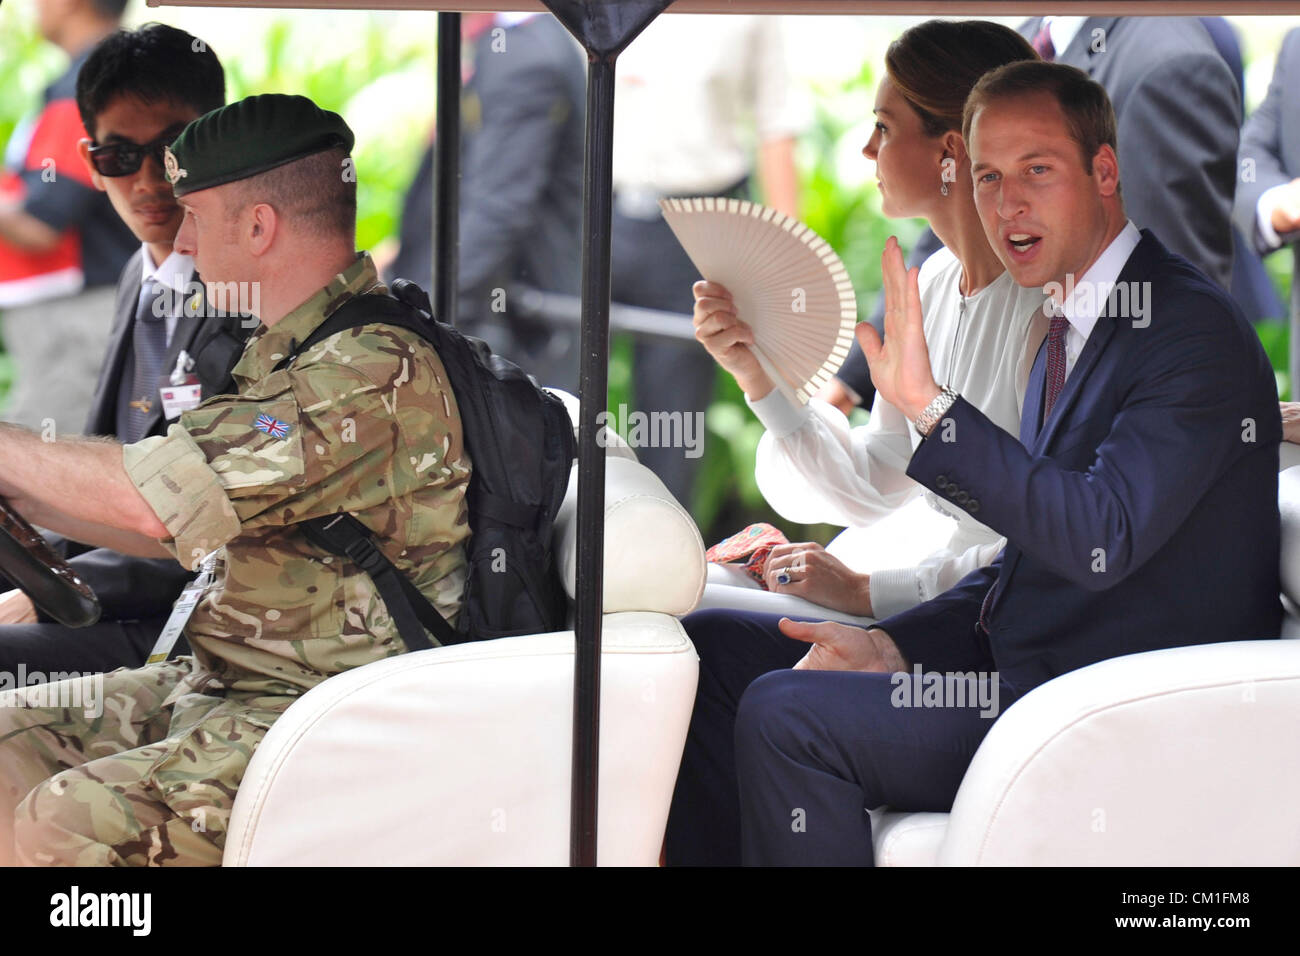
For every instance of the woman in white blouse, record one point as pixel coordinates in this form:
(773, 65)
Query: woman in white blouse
(812, 467)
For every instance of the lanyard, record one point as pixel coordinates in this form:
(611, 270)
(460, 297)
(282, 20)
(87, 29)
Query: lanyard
(182, 610)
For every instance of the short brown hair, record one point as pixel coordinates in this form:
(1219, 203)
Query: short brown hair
(317, 192)
(1089, 117)
(935, 64)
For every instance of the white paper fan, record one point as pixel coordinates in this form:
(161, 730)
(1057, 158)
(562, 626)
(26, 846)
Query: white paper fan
(788, 284)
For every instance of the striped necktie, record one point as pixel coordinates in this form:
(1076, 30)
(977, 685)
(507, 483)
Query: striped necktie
(148, 348)
(1055, 362)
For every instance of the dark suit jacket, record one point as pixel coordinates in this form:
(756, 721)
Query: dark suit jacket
(131, 588)
(1271, 140)
(1178, 111)
(1141, 515)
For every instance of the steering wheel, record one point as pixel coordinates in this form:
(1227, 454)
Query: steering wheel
(46, 578)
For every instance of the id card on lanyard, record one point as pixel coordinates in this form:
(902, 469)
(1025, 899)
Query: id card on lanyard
(182, 610)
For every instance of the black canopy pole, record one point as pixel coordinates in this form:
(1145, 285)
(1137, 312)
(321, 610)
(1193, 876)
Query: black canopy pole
(604, 28)
(446, 170)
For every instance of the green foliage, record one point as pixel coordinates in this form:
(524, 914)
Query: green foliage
(352, 78)
(27, 65)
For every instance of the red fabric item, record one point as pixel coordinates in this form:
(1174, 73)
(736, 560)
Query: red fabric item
(55, 138)
(750, 548)
(53, 147)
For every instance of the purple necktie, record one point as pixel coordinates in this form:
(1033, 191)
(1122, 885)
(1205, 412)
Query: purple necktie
(1043, 44)
(1055, 361)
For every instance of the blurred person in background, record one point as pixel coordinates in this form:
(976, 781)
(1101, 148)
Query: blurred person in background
(521, 153)
(61, 244)
(1267, 208)
(702, 102)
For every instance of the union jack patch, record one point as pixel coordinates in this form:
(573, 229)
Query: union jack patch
(272, 426)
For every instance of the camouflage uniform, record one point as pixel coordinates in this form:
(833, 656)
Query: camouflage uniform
(364, 422)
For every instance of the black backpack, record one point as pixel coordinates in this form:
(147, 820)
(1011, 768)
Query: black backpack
(521, 447)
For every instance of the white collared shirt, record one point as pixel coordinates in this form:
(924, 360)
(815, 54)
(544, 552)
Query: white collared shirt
(174, 274)
(1085, 301)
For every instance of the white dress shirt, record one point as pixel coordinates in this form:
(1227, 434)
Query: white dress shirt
(174, 274)
(1082, 306)
(1062, 30)
(812, 467)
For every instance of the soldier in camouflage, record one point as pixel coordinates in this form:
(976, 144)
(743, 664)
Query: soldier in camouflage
(363, 422)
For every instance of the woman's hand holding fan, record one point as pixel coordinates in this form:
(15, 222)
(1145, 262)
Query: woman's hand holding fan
(900, 366)
(782, 295)
(720, 330)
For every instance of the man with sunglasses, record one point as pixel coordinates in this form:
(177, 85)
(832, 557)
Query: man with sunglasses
(61, 245)
(135, 93)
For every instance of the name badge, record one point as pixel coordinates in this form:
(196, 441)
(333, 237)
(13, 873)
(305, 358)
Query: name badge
(180, 391)
(180, 398)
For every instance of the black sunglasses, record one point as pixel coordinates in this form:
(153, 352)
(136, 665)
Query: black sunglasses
(123, 159)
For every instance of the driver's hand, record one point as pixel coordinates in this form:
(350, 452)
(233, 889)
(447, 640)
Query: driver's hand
(16, 608)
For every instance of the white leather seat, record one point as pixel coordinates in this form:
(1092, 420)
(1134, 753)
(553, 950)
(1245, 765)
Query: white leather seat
(461, 755)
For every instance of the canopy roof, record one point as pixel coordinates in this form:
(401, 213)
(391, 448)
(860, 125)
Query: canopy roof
(894, 7)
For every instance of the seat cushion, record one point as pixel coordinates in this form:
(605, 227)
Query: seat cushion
(907, 839)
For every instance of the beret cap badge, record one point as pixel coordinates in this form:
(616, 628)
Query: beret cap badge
(171, 167)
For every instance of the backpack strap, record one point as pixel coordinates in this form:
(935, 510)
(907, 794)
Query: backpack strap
(365, 309)
(344, 535)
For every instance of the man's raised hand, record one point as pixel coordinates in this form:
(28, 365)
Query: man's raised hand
(900, 366)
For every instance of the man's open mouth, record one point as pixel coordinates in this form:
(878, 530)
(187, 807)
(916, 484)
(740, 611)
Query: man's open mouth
(1022, 241)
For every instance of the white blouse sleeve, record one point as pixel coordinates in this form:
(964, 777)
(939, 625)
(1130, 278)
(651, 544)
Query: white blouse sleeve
(812, 467)
(898, 589)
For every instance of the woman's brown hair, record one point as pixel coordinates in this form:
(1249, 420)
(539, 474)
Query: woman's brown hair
(934, 65)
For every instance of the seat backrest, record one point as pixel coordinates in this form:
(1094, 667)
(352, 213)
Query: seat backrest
(654, 555)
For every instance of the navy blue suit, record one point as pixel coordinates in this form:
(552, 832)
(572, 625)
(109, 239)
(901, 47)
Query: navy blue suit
(1127, 511)
(1122, 509)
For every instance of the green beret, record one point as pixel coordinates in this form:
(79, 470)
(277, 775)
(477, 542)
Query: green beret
(249, 137)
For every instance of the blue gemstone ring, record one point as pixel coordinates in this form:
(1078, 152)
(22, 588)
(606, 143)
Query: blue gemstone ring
(783, 578)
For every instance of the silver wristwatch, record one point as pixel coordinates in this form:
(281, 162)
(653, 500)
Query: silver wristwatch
(934, 412)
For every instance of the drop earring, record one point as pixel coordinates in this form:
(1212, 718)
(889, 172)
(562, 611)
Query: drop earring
(943, 188)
